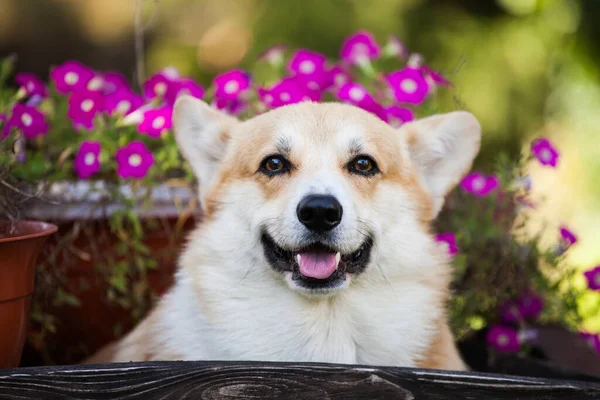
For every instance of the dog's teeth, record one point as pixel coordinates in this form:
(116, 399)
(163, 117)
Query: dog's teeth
(338, 257)
(298, 258)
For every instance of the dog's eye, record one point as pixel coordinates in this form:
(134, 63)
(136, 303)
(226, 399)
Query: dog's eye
(363, 165)
(273, 165)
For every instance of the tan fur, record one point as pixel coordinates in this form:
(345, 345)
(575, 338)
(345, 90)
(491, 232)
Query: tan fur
(204, 315)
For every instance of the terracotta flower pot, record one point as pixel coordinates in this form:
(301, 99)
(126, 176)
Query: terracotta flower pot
(81, 254)
(20, 243)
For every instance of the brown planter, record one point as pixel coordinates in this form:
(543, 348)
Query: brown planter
(20, 244)
(77, 268)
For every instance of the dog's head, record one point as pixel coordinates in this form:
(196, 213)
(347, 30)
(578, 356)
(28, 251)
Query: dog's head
(328, 192)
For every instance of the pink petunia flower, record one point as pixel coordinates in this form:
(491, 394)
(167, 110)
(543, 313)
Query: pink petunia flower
(408, 85)
(397, 116)
(231, 107)
(230, 85)
(359, 48)
(592, 340)
(34, 101)
(184, 86)
(156, 121)
(394, 47)
(96, 84)
(159, 85)
(593, 278)
(567, 237)
(29, 119)
(503, 338)
(83, 107)
(510, 313)
(71, 76)
(480, 185)
(449, 239)
(122, 102)
(134, 160)
(287, 91)
(356, 94)
(338, 77)
(436, 77)
(530, 304)
(32, 85)
(114, 81)
(543, 150)
(87, 160)
(310, 67)
(274, 55)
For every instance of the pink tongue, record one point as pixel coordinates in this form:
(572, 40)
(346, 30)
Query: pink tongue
(317, 265)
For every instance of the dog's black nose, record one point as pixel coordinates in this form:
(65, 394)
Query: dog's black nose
(319, 213)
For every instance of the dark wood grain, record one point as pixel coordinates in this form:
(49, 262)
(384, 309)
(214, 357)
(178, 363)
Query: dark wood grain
(226, 380)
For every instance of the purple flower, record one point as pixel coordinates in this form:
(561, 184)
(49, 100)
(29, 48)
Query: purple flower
(593, 278)
(338, 77)
(287, 91)
(310, 68)
(510, 313)
(122, 102)
(396, 116)
(356, 94)
(71, 76)
(34, 101)
(156, 121)
(87, 161)
(395, 48)
(32, 85)
(83, 107)
(592, 340)
(230, 85)
(134, 160)
(503, 338)
(114, 81)
(274, 55)
(184, 86)
(479, 185)
(158, 85)
(232, 107)
(360, 48)
(408, 85)
(530, 304)
(568, 238)
(435, 77)
(96, 84)
(543, 150)
(29, 119)
(449, 239)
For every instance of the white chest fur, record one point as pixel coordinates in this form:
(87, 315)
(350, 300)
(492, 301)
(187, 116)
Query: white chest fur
(382, 325)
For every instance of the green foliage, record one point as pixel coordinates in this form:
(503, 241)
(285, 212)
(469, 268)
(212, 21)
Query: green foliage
(500, 258)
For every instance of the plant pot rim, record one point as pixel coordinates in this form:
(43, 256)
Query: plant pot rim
(33, 229)
(83, 200)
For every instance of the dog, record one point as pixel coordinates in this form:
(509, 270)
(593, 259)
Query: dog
(315, 244)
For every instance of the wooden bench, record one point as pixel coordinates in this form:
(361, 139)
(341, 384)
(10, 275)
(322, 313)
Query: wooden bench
(246, 380)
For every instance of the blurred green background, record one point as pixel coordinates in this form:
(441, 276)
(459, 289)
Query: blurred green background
(523, 67)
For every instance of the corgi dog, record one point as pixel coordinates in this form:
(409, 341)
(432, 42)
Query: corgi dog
(315, 243)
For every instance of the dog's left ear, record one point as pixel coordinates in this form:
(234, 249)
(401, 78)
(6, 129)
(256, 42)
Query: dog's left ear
(202, 134)
(442, 148)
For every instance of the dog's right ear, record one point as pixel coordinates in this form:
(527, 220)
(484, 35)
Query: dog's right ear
(202, 134)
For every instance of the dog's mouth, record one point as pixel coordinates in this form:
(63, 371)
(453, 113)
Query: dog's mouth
(317, 266)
